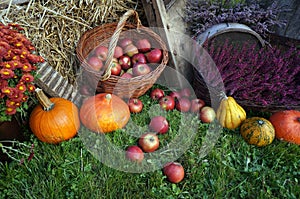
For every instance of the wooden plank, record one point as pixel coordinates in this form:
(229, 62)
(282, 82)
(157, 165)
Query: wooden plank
(168, 15)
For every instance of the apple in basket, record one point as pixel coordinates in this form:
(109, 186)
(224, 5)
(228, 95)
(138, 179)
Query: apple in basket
(118, 52)
(95, 62)
(140, 57)
(131, 50)
(101, 52)
(126, 75)
(154, 56)
(125, 42)
(143, 45)
(116, 67)
(140, 69)
(125, 62)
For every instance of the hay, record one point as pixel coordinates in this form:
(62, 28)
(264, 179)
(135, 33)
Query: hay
(54, 27)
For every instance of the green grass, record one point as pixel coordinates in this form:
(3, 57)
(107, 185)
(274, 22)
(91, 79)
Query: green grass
(232, 169)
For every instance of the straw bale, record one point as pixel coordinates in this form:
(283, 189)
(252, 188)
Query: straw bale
(54, 27)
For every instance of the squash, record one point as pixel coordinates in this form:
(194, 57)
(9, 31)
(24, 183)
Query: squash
(257, 131)
(287, 125)
(54, 120)
(229, 113)
(104, 113)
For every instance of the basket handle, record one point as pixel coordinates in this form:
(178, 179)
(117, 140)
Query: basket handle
(114, 40)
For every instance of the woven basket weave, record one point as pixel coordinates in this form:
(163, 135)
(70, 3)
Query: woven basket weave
(109, 35)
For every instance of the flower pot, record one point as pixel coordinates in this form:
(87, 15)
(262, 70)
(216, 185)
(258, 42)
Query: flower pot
(10, 130)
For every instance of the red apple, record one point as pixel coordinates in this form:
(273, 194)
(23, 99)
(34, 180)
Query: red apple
(175, 94)
(185, 92)
(131, 50)
(140, 69)
(157, 93)
(207, 114)
(125, 62)
(149, 142)
(135, 153)
(126, 75)
(174, 172)
(125, 42)
(159, 124)
(101, 52)
(183, 104)
(196, 105)
(139, 58)
(167, 103)
(118, 52)
(135, 105)
(143, 45)
(95, 62)
(154, 56)
(116, 68)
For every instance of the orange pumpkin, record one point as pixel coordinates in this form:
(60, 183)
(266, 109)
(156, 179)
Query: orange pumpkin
(54, 120)
(104, 113)
(287, 125)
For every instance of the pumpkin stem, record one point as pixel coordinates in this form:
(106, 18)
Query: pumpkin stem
(108, 96)
(43, 100)
(260, 122)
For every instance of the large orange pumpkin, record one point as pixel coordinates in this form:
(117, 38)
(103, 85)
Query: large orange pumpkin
(287, 125)
(54, 120)
(104, 113)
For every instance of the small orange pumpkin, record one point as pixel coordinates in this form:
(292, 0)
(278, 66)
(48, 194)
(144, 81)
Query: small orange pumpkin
(104, 113)
(54, 120)
(287, 125)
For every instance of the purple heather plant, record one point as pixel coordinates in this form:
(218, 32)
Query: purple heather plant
(266, 76)
(201, 15)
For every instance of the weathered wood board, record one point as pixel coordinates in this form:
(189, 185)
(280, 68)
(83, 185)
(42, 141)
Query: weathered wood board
(168, 15)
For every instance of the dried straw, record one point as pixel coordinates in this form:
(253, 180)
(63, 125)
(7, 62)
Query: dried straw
(54, 27)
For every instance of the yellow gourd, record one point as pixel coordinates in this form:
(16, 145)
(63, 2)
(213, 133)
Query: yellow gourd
(230, 114)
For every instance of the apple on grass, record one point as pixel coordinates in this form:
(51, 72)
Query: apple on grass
(149, 142)
(175, 94)
(174, 172)
(135, 105)
(185, 92)
(196, 105)
(207, 114)
(134, 153)
(159, 124)
(143, 45)
(157, 93)
(183, 104)
(140, 69)
(95, 63)
(101, 52)
(154, 56)
(167, 103)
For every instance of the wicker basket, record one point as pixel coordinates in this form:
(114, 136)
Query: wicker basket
(108, 35)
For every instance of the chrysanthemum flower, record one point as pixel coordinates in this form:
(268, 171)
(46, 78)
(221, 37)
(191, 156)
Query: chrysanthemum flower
(3, 83)
(21, 87)
(17, 96)
(6, 73)
(30, 87)
(10, 111)
(27, 78)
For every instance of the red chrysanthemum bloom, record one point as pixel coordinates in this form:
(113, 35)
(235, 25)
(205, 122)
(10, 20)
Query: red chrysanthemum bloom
(17, 96)
(24, 98)
(10, 103)
(26, 67)
(10, 111)
(21, 87)
(6, 73)
(3, 83)
(8, 91)
(9, 65)
(27, 78)
(30, 87)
